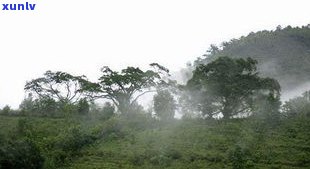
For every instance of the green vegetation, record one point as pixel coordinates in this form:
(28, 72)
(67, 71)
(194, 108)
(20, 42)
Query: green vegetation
(142, 142)
(283, 54)
(230, 87)
(122, 87)
(164, 105)
(232, 116)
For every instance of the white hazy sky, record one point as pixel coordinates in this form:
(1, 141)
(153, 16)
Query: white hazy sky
(80, 36)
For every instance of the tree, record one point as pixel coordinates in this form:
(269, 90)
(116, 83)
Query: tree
(45, 106)
(164, 105)
(213, 49)
(60, 86)
(27, 105)
(229, 86)
(6, 110)
(83, 106)
(125, 87)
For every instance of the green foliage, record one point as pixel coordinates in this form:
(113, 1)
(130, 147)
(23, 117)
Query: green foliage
(229, 86)
(164, 105)
(122, 87)
(140, 142)
(73, 140)
(43, 106)
(6, 110)
(239, 158)
(27, 105)
(279, 53)
(60, 86)
(46, 106)
(20, 154)
(267, 110)
(24, 128)
(83, 106)
(108, 110)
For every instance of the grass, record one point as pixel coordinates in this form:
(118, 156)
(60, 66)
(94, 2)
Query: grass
(180, 144)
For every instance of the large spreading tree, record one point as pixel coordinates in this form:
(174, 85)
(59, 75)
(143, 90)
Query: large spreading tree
(229, 87)
(124, 88)
(59, 86)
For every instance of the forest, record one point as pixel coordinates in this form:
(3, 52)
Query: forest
(229, 113)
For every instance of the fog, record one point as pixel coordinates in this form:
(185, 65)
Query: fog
(295, 91)
(80, 37)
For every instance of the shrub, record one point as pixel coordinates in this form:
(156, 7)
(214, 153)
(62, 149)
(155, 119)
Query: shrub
(239, 157)
(161, 160)
(6, 110)
(45, 106)
(107, 111)
(20, 154)
(73, 140)
(164, 105)
(24, 128)
(83, 106)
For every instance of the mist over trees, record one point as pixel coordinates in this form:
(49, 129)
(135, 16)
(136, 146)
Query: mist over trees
(299, 106)
(230, 87)
(282, 54)
(164, 105)
(124, 88)
(225, 87)
(229, 113)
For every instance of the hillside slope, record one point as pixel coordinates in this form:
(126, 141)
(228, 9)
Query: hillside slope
(203, 144)
(131, 143)
(283, 54)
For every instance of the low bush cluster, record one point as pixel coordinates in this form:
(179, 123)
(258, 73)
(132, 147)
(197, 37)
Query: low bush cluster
(20, 154)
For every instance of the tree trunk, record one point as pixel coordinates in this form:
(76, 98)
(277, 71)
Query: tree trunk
(124, 105)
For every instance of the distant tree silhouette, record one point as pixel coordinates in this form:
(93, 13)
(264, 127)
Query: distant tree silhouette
(164, 105)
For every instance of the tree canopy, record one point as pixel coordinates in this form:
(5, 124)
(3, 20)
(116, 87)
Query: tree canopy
(229, 86)
(125, 87)
(60, 86)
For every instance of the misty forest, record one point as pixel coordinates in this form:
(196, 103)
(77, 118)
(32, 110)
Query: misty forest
(230, 109)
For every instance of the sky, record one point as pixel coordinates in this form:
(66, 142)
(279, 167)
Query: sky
(80, 36)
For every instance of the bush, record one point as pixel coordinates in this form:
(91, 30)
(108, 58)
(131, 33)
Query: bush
(239, 157)
(20, 154)
(83, 106)
(164, 105)
(112, 129)
(45, 107)
(24, 128)
(6, 110)
(107, 111)
(73, 140)
(66, 146)
(161, 160)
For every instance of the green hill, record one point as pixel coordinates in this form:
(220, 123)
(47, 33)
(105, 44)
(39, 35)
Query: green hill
(283, 54)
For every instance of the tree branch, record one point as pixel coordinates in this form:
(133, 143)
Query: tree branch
(136, 98)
